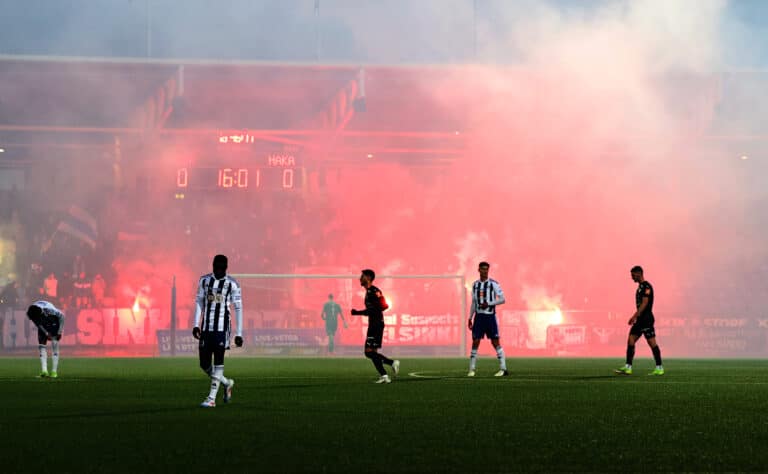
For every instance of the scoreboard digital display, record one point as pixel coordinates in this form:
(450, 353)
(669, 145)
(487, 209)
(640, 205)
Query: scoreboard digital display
(277, 172)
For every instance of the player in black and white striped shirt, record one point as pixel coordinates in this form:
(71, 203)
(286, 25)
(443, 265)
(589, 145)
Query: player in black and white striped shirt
(213, 325)
(486, 295)
(50, 322)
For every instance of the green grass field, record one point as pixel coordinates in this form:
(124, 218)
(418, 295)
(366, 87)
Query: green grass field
(326, 415)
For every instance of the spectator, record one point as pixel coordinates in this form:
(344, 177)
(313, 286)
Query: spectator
(82, 291)
(50, 287)
(78, 266)
(9, 298)
(98, 289)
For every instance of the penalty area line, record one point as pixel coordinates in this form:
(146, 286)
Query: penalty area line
(421, 375)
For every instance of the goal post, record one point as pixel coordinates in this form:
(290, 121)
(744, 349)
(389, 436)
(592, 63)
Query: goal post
(282, 313)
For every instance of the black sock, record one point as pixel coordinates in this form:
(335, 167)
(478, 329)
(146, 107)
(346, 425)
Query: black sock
(385, 359)
(656, 354)
(377, 363)
(630, 354)
(376, 359)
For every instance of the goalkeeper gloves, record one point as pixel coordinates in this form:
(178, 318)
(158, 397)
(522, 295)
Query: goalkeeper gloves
(196, 333)
(238, 341)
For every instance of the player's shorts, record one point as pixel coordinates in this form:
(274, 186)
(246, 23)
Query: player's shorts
(212, 340)
(52, 329)
(330, 329)
(485, 325)
(643, 329)
(375, 335)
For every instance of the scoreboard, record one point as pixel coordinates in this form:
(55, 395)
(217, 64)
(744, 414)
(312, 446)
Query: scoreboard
(271, 172)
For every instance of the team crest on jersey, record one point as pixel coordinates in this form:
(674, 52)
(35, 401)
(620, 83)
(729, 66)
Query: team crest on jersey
(378, 294)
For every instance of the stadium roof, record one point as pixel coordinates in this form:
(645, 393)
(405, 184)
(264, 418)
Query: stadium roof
(73, 102)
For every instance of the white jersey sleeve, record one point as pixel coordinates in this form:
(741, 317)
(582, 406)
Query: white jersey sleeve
(200, 300)
(473, 306)
(498, 296)
(237, 302)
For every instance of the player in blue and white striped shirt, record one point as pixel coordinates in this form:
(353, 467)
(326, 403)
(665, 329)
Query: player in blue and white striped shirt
(486, 295)
(50, 322)
(215, 292)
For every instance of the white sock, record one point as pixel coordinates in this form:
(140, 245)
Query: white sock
(218, 374)
(214, 389)
(55, 357)
(627, 366)
(500, 356)
(473, 359)
(43, 358)
(660, 367)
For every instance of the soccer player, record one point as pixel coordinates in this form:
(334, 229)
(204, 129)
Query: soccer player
(486, 295)
(215, 292)
(642, 324)
(375, 305)
(330, 314)
(50, 322)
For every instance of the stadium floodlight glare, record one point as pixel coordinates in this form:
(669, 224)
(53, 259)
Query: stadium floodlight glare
(2, 150)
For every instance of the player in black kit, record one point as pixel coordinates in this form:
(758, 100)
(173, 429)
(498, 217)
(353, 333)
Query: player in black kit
(375, 305)
(642, 324)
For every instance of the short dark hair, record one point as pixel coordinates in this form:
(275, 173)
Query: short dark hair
(330, 296)
(34, 311)
(220, 261)
(637, 269)
(484, 264)
(369, 273)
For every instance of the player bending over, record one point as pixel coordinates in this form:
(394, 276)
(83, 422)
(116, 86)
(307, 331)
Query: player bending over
(49, 321)
(215, 292)
(375, 305)
(642, 324)
(486, 295)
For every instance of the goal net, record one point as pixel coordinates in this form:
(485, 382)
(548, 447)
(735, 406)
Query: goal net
(282, 314)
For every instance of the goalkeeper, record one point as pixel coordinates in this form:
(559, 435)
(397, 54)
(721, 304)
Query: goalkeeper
(330, 314)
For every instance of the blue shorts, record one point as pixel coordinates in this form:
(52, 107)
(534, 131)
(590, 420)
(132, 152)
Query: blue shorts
(485, 325)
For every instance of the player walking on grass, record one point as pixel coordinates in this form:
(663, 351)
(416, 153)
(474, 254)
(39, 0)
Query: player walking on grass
(215, 292)
(49, 321)
(330, 314)
(486, 295)
(375, 305)
(642, 324)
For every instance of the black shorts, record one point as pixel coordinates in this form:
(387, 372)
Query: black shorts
(212, 340)
(643, 329)
(374, 336)
(213, 344)
(52, 330)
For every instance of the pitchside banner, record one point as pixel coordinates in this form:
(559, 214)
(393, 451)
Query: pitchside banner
(260, 340)
(105, 330)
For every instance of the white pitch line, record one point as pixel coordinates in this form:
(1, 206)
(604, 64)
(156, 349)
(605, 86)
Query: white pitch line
(419, 376)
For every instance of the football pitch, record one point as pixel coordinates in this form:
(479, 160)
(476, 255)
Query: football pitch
(326, 415)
